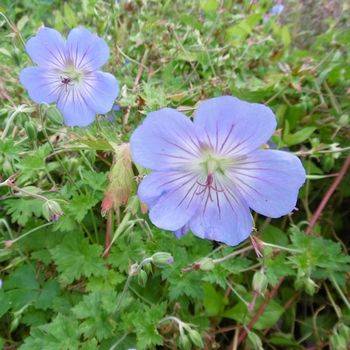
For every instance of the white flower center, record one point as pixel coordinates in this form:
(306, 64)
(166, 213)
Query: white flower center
(211, 163)
(71, 75)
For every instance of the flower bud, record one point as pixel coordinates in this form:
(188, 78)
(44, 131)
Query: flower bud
(52, 210)
(53, 114)
(255, 340)
(147, 267)
(260, 282)
(206, 264)
(142, 278)
(30, 130)
(162, 258)
(340, 338)
(338, 342)
(310, 286)
(195, 338)
(185, 342)
(121, 180)
(345, 331)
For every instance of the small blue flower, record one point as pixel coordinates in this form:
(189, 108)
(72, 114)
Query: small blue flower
(208, 173)
(67, 73)
(276, 10)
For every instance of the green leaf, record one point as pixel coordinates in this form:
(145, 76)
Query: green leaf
(285, 340)
(299, 137)
(61, 334)
(76, 258)
(214, 302)
(69, 16)
(22, 287)
(22, 209)
(209, 6)
(145, 321)
(268, 319)
(4, 302)
(95, 311)
(49, 291)
(80, 205)
(274, 235)
(276, 267)
(285, 36)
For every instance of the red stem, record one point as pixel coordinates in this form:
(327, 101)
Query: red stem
(108, 234)
(328, 195)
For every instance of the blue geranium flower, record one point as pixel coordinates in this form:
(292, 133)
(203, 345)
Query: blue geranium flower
(277, 9)
(68, 74)
(208, 173)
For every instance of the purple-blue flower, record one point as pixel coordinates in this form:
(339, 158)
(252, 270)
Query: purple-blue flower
(67, 73)
(277, 9)
(207, 174)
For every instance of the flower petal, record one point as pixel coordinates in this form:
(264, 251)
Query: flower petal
(47, 48)
(182, 231)
(233, 126)
(86, 50)
(170, 213)
(171, 196)
(100, 89)
(269, 181)
(226, 220)
(150, 188)
(42, 84)
(165, 140)
(75, 110)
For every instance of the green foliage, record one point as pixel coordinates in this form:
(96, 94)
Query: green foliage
(76, 258)
(59, 292)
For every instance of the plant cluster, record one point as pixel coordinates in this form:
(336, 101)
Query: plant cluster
(81, 264)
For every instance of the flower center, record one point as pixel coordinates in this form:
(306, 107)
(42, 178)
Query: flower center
(213, 163)
(71, 75)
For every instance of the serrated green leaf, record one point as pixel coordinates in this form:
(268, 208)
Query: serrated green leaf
(76, 258)
(61, 334)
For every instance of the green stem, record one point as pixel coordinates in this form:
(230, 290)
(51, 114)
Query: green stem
(281, 247)
(340, 292)
(10, 120)
(31, 231)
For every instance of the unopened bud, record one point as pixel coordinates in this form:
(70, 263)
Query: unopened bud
(30, 130)
(310, 286)
(338, 342)
(340, 337)
(259, 282)
(162, 258)
(185, 342)
(195, 338)
(52, 210)
(121, 180)
(147, 267)
(344, 331)
(206, 264)
(255, 340)
(142, 278)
